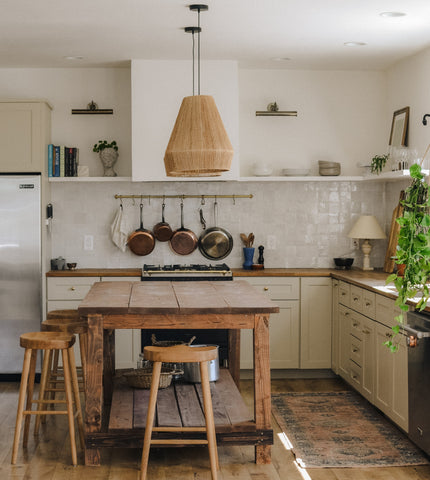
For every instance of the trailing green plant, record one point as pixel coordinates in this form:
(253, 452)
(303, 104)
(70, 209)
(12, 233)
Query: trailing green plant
(413, 249)
(103, 144)
(378, 163)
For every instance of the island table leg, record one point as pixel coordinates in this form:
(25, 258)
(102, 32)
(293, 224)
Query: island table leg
(262, 394)
(93, 386)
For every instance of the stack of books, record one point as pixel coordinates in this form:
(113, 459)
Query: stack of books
(62, 161)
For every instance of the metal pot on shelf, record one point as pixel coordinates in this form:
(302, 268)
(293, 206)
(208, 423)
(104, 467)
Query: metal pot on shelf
(192, 370)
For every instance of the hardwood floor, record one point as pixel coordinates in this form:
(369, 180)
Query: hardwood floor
(48, 456)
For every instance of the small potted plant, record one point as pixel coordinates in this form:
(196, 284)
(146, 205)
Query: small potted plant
(378, 163)
(108, 153)
(413, 250)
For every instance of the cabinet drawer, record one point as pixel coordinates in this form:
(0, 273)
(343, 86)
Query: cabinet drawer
(277, 288)
(386, 310)
(356, 374)
(69, 288)
(369, 304)
(356, 325)
(356, 351)
(356, 298)
(345, 293)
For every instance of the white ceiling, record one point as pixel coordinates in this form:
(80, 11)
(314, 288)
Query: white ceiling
(40, 33)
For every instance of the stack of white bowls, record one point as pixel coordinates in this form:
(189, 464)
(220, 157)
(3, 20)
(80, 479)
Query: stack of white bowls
(329, 168)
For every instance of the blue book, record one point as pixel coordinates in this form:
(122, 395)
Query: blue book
(57, 161)
(50, 159)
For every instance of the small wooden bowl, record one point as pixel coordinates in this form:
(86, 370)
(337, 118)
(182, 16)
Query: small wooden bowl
(257, 266)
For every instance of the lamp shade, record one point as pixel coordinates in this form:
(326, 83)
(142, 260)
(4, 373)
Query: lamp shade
(199, 145)
(366, 227)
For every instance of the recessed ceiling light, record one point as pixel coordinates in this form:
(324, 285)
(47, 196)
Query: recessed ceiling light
(280, 59)
(392, 14)
(73, 57)
(354, 44)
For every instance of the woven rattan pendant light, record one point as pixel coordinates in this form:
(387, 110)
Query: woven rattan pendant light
(199, 145)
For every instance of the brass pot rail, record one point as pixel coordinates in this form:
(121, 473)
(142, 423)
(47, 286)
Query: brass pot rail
(183, 197)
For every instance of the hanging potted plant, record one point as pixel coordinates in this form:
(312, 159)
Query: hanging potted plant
(108, 153)
(413, 249)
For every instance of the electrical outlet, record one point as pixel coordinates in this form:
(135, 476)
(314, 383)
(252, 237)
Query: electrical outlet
(88, 242)
(271, 242)
(354, 245)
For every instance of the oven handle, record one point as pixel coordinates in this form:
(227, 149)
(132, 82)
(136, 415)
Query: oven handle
(416, 333)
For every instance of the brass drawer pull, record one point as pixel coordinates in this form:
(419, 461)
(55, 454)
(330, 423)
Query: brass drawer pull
(365, 331)
(265, 289)
(73, 289)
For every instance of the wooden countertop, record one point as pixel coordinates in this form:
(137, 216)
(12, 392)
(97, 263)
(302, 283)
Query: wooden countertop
(237, 272)
(373, 280)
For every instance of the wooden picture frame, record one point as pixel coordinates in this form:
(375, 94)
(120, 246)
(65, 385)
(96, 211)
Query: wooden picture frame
(399, 128)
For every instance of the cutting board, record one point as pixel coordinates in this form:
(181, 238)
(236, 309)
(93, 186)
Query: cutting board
(394, 233)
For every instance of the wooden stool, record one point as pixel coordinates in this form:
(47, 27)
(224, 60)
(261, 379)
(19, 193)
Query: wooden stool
(68, 321)
(180, 354)
(47, 341)
(71, 316)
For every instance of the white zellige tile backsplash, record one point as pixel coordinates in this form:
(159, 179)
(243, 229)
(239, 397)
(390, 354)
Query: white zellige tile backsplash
(308, 220)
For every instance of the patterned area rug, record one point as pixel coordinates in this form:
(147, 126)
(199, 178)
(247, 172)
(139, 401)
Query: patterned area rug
(341, 429)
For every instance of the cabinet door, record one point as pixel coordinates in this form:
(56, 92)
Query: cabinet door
(400, 404)
(344, 341)
(315, 322)
(368, 358)
(284, 338)
(384, 370)
(335, 328)
(23, 132)
(284, 326)
(128, 343)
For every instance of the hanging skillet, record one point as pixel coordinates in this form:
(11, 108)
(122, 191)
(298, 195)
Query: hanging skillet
(141, 241)
(162, 230)
(215, 243)
(183, 241)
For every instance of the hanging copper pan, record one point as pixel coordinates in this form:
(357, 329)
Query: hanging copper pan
(162, 231)
(141, 241)
(183, 241)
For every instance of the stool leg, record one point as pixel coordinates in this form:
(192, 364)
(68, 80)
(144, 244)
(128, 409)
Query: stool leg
(43, 379)
(30, 390)
(209, 418)
(68, 388)
(76, 396)
(53, 375)
(48, 382)
(21, 401)
(150, 418)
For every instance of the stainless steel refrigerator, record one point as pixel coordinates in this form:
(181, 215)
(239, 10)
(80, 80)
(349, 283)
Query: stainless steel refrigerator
(20, 265)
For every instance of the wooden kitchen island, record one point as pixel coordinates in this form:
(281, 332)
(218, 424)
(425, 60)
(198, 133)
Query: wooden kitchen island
(113, 412)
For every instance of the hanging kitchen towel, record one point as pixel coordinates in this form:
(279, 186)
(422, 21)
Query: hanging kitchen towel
(118, 230)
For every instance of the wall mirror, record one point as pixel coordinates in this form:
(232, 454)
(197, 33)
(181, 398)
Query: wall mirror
(399, 128)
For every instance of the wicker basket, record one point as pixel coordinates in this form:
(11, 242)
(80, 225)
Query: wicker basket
(141, 378)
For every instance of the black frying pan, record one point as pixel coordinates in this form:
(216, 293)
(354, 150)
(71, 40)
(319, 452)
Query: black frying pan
(215, 243)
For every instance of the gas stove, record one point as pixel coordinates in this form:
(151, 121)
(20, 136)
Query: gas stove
(186, 272)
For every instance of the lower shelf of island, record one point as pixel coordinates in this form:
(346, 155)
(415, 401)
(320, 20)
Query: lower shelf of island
(179, 405)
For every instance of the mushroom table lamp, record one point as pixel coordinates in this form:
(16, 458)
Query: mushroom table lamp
(366, 228)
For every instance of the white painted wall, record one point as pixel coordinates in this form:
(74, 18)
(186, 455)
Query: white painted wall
(408, 85)
(67, 88)
(158, 88)
(341, 118)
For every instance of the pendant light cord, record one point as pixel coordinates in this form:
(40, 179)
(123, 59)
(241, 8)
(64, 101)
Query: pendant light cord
(198, 51)
(194, 88)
